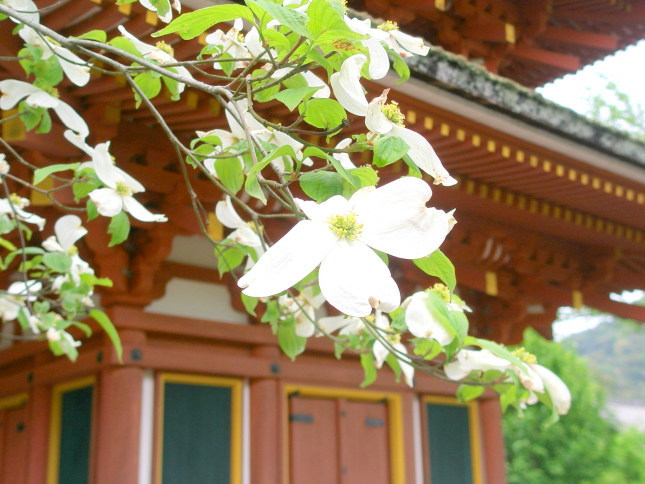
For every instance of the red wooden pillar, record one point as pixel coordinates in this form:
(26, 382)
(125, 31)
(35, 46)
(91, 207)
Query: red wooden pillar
(38, 422)
(490, 415)
(267, 426)
(118, 425)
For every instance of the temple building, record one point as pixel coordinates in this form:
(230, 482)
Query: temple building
(550, 210)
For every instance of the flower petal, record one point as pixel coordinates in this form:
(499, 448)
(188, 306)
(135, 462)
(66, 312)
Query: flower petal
(347, 86)
(558, 391)
(355, 280)
(25, 7)
(396, 220)
(421, 323)
(73, 66)
(71, 119)
(375, 120)
(414, 45)
(320, 212)
(227, 215)
(13, 91)
(293, 257)
(343, 158)
(314, 81)
(379, 61)
(107, 201)
(140, 212)
(68, 230)
(424, 155)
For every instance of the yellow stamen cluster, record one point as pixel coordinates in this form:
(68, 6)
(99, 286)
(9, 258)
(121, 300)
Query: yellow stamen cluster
(388, 26)
(443, 291)
(167, 48)
(17, 201)
(344, 4)
(240, 37)
(51, 41)
(343, 45)
(73, 250)
(345, 226)
(393, 113)
(395, 339)
(255, 227)
(123, 190)
(525, 356)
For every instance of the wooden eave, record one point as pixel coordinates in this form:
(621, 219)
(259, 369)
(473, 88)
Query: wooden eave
(530, 42)
(537, 228)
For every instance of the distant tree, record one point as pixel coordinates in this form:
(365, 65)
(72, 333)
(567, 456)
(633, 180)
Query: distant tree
(615, 108)
(584, 448)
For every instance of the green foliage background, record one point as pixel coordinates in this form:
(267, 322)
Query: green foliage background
(583, 447)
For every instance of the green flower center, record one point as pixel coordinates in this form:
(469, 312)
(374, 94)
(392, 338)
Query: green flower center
(345, 226)
(52, 91)
(393, 113)
(167, 48)
(388, 26)
(525, 356)
(123, 190)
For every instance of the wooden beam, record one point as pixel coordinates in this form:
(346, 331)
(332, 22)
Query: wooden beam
(584, 38)
(546, 57)
(490, 32)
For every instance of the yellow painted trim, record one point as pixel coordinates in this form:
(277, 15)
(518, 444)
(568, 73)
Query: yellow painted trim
(125, 8)
(490, 283)
(440, 5)
(411, 117)
(559, 170)
(444, 129)
(395, 420)
(461, 135)
(546, 166)
(53, 459)
(519, 156)
(236, 417)
(573, 174)
(13, 401)
(576, 299)
(14, 129)
(509, 33)
(491, 146)
(151, 18)
(506, 152)
(473, 427)
(534, 161)
(428, 122)
(477, 141)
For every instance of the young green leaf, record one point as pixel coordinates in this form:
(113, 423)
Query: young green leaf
(107, 325)
(438, 265)
(193, 24)
(119, 228)
(323, 113)
(389, 149)
(321, 185)
(290, 343)
(230, 173)
(41, 173)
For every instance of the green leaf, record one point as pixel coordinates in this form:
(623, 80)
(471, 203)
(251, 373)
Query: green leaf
(83, 189)
(229, 258)
(45, 123)
(105, 323)
(426, 348)
(41, 173)
(92, 212)
(290, 343)
(97, 35)
(438, 265)
(252, 185)
(369, 369)
(389, 149)
(288, 17)
(119, 228)
(125, 45)
(58, 261)
(149, 83)
(292, 97)
(321, 185)
(193, 24)
(230, 173)
(367, 176)
(250, 303)
(400, 67)
(326, 15)
(92, 280)
(323, 113)
(315, 151)
(465, 393)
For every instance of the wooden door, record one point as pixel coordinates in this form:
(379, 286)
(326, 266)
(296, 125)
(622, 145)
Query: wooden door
(336, 441)
(13, 445)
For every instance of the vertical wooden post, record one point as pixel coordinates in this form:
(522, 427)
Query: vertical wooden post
(490, 414)
(266, 432)
(118, 426)
(38, 416)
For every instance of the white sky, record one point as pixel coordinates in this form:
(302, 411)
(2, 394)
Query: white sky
(627, 69)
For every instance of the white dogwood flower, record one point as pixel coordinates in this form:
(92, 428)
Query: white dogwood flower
(243, 233)
(422, 323)
(13, 207)
(393, 345)
(73, 66)
(338, 237)
(385, 120)
(14, 91)
(168, 6)
(68, 230)
(303, 308)
(120, 188)
(161, 53)
(474, 360)
(231, 43)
